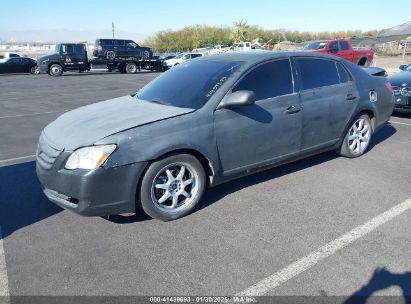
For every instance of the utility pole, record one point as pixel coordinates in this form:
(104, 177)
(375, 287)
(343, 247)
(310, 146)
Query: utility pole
(112, 27)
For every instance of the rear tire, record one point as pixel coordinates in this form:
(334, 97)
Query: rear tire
(131, 68)
(357, 138)
(172, 187)
(55, 70)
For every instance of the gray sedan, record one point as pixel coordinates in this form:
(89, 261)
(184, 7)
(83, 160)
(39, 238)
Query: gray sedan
(205, 122)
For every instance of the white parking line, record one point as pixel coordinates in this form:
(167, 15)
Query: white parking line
(33, 114)
(4, 281)
(17, 158)
(327, 250)
(400, 123)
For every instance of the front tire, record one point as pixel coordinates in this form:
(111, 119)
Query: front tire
(357, 138)
(172, 187)
(56, 70)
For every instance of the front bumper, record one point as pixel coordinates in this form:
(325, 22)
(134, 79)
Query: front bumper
(103, 191)
(42, 69)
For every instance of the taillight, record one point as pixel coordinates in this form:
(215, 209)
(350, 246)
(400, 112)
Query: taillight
(388, 86)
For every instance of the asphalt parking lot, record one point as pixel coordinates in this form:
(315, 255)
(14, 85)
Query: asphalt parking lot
(272, 225)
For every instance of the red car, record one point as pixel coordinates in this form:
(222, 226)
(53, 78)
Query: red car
(341, 48)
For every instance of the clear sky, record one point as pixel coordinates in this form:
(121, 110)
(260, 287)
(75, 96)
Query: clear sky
(145, 17)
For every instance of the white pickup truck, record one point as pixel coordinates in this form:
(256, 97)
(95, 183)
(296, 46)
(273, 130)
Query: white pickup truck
(220, 48)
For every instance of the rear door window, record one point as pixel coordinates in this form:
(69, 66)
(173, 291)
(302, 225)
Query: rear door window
(268, 80)
(344, 46)
(342, 72)
(317, 73)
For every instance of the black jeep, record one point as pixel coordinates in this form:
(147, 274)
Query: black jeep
(120, 48)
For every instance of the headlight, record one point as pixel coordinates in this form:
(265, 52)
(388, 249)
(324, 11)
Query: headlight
(89, 158)
(406, 92)
(44, 62)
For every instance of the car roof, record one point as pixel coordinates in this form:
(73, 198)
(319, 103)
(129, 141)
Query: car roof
(257, 56)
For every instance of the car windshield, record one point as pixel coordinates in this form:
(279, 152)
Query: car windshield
(318, 45)
(408, 68)
(178, 56)
(189, 85)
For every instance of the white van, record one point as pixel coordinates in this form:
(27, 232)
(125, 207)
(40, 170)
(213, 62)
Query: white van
(243, 46)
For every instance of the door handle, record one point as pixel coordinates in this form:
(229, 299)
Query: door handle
(292, 110)
(351, 97)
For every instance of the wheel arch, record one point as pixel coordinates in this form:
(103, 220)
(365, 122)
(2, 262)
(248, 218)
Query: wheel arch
(205, 161)
(370, 113)
(55, 62)
(362, 61)
(366, 111)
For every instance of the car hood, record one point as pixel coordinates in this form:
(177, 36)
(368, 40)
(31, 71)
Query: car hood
(48, 57)
(403, 77)
(87, 125)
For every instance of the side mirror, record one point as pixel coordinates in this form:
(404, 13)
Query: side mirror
(238, 99)
(403, 67)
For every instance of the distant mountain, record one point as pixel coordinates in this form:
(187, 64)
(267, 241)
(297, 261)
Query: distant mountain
(65, 35)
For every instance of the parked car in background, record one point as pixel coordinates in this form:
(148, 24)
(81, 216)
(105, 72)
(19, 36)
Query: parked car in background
(341, 48)
(205, 122)
(179, 59)
(120, 48)
(18, 65)
(401, 85)
(167, 57)
(242, 46)
(7, 55)
(220, 48)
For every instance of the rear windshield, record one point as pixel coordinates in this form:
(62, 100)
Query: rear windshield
(189, 85)
(318, 45)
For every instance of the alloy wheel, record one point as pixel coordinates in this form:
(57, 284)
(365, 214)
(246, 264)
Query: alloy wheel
(175, 186)
(359, 136)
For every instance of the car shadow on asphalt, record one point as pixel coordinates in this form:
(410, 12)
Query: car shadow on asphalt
(22, 201)
(386, 132)
(15, 74)
(380, 280)
(105, 73)
(401, 115)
